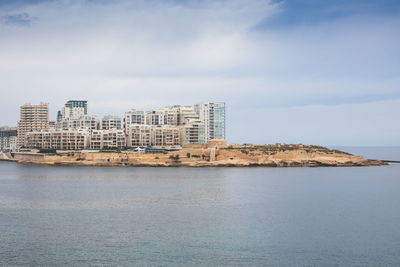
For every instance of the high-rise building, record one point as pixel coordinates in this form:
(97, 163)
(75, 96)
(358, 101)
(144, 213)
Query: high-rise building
(134, 117)
(213, 116)
(111, 122)
(73, 109)
(171, 115)
(155, 117)
(178, 115)
(8, 139)
(32, 118)
(193, 132)
(85, 122)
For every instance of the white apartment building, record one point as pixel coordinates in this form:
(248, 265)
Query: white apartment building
(111, 122)
(151, 135)
(61, 140)
(86, 122)
(155, 117)
(138, 135)
(134, 117)
(213, 116)
(73, 109)
(32, 118)
(103, 139)
(8, 139)
(193, 132)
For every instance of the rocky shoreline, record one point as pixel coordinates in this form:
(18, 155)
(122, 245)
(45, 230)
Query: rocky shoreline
(243, 157)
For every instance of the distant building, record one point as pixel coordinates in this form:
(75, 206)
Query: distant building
(171, 115)
(61, 140)
(213, 116)
(8, 139)
(52, 125)
(134, 117)
(32, 118)
(106, 139)
(165, 136)
(85, 122)
(155, 117)
(176, 115)
(111, 122)
(150, 135)
(138, 135)
(186, 114)
(193, 132)
(75, 129)
(73, 109)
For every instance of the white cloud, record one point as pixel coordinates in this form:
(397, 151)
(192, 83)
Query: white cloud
(154, 53)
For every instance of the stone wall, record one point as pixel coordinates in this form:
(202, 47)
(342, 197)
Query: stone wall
(29, 157)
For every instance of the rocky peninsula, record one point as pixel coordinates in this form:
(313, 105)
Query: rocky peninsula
(203, 156)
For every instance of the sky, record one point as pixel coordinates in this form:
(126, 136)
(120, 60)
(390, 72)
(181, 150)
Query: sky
(290, 71)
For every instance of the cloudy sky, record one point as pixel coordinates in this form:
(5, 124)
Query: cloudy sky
(294, 71)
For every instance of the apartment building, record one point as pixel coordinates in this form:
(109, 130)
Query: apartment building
(73, 109)
(61, 140)
(176, 115)
(52, 125)
(193, 132)
(139, 135)
(155, 117)
(103, 139)
(165, 136)
(85, 122)
(134, 117)
(213, 116)
(111, 122)
(32, 118)
(171, 115)
(8, 139)
(169, 126)
(150, 135)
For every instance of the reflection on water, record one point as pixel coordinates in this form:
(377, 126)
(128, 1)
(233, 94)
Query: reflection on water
(199, 216)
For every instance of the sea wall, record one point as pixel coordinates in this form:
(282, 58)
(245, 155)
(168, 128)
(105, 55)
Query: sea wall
(29, 157)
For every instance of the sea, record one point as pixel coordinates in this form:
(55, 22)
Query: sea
(136, 216)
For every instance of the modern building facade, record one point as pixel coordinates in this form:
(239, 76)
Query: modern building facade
(110, 122)
(73, 109)
(165, 136)
(149, 135)
(155, 117)
(213, 116)
(75, 129)
(85, 122)
(107, 139)
(8, 139)
(138, 135)
(134, 117)
(62, 140)
(193, 132)
(32, 118)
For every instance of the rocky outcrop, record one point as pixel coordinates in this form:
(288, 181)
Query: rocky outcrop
(204, 158)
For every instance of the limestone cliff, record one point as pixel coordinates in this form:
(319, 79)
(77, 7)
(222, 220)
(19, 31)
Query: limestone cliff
(210, 157)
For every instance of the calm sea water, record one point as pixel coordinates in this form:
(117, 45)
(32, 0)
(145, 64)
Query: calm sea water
(64, 216)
